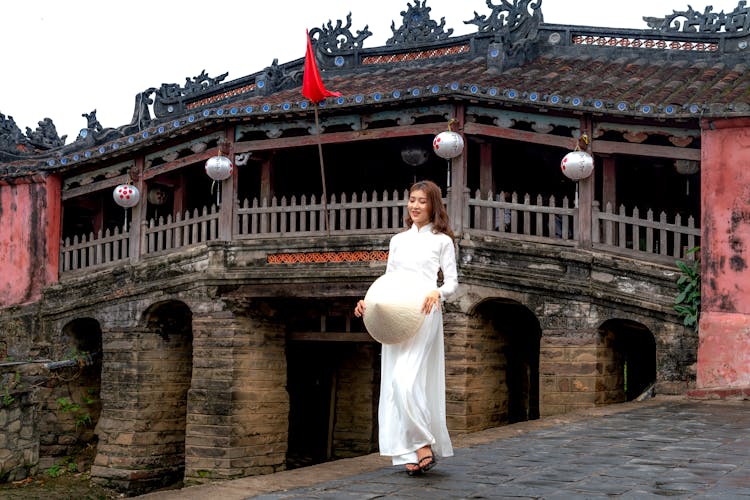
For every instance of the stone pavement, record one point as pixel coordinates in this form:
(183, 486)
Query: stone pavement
(666, 446)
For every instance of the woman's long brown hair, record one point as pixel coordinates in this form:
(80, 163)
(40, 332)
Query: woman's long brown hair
(439, 216)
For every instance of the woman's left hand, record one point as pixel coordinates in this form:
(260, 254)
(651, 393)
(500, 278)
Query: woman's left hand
(432, 299)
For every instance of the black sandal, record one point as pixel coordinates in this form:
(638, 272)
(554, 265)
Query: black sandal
(431, 462)
(413, 472)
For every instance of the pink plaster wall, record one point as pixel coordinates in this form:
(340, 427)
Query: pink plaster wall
(724, 333)
(29, 238)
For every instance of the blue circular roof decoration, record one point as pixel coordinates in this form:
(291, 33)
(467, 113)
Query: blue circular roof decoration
(84, 132)
(358, 99)
(160, 130)
(76, 157)
(191, 118)
(145, 134)
(493, 91)
(233, 110)
(175, 123)
(555, 99)
(260, 84)
(266, 108)
(415, 92)
(206, 112)
(576, 101)
(396, 94)
(220, 111)
(669, 109)
(494, 53)
(339, 61)
(377, 96)
(286, 106)
(340, 100)
(512, 93)
(51, 162)
(646, 108)
(473, 89)
(622, 106)
(116, 145)
(694, 108)
(598, 104)
(455, 86)
(131, 140)
(435, 89)
(102, 150)
(170, 108)
(304, 104)
(533, 97)
(323, 103)
(87, 154)
(64, 161)
(249, 109)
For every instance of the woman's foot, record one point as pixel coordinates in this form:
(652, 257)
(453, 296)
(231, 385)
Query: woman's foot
(413, 469)
(426, 460)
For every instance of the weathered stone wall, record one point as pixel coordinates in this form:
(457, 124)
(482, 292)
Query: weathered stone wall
(358, 386)
(238, 406)
(19, 437)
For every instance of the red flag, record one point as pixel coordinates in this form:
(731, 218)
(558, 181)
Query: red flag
(312, 84)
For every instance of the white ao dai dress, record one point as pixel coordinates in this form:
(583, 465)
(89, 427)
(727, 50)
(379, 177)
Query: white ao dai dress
(411, 412)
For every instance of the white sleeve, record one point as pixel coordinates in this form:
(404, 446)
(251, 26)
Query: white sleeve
(448, 265)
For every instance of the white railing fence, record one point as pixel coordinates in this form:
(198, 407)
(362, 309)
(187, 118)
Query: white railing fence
(163, 235)
(636, 236)
(94, 250)
(503, 214)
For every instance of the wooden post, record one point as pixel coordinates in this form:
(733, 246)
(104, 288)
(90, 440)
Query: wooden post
(458, 167)
(228, 190)
(609, 183)
(486, 178)
(138, 212)
(586, 194)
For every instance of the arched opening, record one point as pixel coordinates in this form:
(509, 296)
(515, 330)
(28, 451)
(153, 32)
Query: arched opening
(513, 354)
(71, 398)
(626, 362)
(333, 377)
(166, 359)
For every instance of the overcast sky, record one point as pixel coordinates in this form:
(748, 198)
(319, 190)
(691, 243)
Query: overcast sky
(61, 58)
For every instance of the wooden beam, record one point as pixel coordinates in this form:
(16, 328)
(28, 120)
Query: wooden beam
(339, 137)
(622, 148)
(519, 135)
(330, 336)
(177, 164)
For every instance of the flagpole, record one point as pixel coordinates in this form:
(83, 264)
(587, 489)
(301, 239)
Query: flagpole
(322, 169)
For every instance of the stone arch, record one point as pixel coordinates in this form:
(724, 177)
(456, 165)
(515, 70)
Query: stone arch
(626, 360)
(71, 400)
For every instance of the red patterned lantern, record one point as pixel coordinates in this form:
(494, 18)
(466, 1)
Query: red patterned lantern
(126, 195)
(448, 144)
(219, 168)
(577, 165)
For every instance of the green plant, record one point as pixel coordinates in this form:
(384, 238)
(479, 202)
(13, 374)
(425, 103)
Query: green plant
(55, 470)
(688, 300)
(80, 415)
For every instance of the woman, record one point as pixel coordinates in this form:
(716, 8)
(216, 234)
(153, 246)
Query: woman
(411, 414)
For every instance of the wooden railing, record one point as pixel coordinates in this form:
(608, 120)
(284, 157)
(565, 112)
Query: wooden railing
(638, 237)
(165, 235)
(503, 214)
(290, 217)
(94, 250)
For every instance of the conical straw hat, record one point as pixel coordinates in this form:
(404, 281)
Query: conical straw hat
(393, 307)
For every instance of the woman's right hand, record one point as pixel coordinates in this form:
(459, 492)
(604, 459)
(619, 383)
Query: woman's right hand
(359, 310)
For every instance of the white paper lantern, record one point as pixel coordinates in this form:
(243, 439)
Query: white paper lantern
(126, 195)
(448, 144)
(157, 195)
(219, 168)
(577, 165)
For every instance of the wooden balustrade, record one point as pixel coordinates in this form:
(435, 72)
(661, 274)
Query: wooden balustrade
(501, 213)
(94, 250)
(638, 237)
(505, 215)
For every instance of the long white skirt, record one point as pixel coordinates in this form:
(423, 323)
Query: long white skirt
(411, 413)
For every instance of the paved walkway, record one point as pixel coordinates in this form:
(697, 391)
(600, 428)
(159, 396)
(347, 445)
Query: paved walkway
(666, 446)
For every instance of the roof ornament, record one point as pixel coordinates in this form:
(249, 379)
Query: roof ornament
(332, 39)
(169, 98)
(12, 139)
(522, 17)
(45, 136)
(417, 26)
(691, 21)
